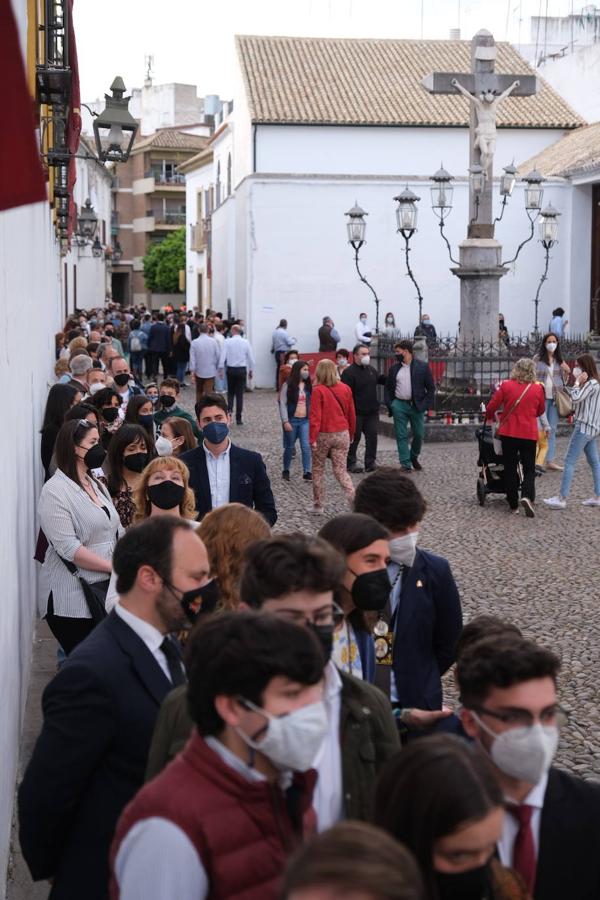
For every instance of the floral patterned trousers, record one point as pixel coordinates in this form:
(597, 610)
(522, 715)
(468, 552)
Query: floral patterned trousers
(335, 444)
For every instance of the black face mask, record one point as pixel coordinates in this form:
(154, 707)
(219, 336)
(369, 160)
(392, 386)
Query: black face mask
(147, 421)
(122, 379)
(191, 601)
(135, 462)
(474, 884)
(371, 590)
(400, 357)
(166, 495)
(166, 400)
(110, 414)
(95, 456)
(325, 636)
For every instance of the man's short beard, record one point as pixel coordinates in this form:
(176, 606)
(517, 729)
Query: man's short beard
(171, 611)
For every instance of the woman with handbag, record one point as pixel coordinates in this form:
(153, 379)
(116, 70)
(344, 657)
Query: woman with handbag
(332, 423)
(521, 401)
(552, 371)
(586, 406)
(82, 527)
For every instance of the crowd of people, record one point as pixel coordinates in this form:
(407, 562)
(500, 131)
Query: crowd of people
(253, 714)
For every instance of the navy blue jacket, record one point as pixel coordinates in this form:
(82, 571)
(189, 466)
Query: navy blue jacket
(249, 483)
(159, 339)
(90, 758)
(421, 379)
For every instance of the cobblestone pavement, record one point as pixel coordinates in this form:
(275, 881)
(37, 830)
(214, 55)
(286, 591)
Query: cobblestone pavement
(543, 574)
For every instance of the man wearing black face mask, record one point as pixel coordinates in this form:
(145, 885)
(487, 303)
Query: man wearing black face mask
(294, 576)
(100, 711)
(124, 384)
(168, 405)
(409, 392)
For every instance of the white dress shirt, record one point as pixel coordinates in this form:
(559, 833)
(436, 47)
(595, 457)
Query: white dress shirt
(236, 352)
(204, 356)
(150, 635)
(328, 799)
(506, 844)
(219, 476)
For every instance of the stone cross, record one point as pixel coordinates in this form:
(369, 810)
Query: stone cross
(486, 90)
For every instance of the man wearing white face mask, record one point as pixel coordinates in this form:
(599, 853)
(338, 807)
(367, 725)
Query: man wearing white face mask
(221, 819)
(551, 833)
(424, 614)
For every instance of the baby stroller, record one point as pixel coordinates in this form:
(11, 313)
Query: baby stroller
(491, 467)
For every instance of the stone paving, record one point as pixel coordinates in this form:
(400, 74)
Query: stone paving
(542, 573)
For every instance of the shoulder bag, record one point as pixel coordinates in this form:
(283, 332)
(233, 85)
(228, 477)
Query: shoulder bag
(94, 592)
(563, 402)
(496, 432)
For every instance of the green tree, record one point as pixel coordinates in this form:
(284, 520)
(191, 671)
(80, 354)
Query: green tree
(163, 262)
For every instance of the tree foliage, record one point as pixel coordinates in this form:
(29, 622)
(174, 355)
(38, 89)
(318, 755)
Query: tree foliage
(163, 262)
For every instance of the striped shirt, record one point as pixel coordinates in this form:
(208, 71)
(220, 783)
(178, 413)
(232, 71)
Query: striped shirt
(586, 406)
(70, 520)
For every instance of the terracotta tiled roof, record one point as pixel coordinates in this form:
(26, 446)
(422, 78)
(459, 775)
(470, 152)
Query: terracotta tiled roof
(171, 139)
(344, 81)
(574, 154)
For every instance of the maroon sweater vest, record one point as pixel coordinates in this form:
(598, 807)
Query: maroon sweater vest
(242, 830)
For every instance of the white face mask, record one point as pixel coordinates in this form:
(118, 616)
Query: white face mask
(363, 319)
(97, 386)
(291, 741)
(404, 549)
(342, 362)
(525, 753)
(164, 447)
(577, 371)
(366, 360)
(551, 346)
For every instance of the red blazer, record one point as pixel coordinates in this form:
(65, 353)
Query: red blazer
(522, 421)
(331, 409)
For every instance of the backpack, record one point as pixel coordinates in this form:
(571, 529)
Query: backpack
(135, 344)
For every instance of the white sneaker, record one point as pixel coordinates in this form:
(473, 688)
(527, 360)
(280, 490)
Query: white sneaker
(591, 502)
(556, 503)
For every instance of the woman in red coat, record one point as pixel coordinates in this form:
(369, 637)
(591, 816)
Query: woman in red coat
(332, 424)
(521, 401)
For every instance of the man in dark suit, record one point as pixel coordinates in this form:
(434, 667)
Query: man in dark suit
(222, 473)
(551, 832)
(409, 392)
(100, 710)
(424, 613)
(159, 346)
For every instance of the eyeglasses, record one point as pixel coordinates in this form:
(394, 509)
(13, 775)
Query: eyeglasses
(522, 718)
(325, 618)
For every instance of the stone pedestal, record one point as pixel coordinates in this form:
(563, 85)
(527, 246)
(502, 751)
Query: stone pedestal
(480, 273)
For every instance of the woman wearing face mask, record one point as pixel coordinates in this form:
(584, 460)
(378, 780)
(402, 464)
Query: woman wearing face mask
(290, 358)
(82, 527)
(440, 799)
(152, 393)
(294, 408)
(586, 406)
(332, 426)
(363, 592)
(140, 412)
(108, 404)
(390, 323)
(127, 458)
(342, 360)
(176, 437)
(552, 372)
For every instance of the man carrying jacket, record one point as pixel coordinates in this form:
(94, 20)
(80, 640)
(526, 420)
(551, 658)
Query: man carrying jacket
(294, 577)
(362, 379)
(329, 337)
(409, 392)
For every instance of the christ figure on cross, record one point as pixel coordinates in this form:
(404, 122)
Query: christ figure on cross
(485, 105)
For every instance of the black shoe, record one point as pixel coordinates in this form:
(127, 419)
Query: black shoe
(286, 474)
(370, 468)
(356, 470)
(416, 464)
(406, 468)
(307, 476)
(528, 507)
(239, 423)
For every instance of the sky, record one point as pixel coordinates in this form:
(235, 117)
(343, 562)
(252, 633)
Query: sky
(192, 41)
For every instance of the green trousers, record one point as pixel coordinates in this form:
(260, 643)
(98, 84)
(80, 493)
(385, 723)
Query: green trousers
(403, 413)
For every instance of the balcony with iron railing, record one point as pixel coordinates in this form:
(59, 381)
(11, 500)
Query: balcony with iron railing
(167, 219)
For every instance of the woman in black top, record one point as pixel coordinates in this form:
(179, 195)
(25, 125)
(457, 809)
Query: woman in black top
(61, 398)
(181, 351)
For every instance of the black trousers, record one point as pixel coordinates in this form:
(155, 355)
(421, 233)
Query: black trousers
(366, 425)
(67, 631)
(515, 450)
(153, 360)
(236, 385)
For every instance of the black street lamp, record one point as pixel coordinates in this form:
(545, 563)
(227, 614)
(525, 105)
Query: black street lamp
(115, 128)
(87, 222)
(97, 250)
(117, 252)
(533, 204)
(441, 202)
(406, 220)
(357, 228)
(548, 232)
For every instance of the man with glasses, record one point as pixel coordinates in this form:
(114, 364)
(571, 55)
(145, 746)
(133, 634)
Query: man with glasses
(551, 832)
(295, 577)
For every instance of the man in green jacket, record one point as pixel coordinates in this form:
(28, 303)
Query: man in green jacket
(294, 576)
(167, 400)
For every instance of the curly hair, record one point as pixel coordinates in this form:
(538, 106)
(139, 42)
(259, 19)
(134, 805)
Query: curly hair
(143, 506)
(524, 371)
(226, 532)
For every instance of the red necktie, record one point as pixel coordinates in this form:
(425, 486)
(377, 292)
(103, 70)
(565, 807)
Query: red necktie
(524, 849)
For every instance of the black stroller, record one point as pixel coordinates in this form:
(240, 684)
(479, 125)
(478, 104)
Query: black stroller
(491, 466)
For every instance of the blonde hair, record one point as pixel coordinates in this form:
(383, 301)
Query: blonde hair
(78, 343)
(143, 507)
(226, 532)
(61, 367)
(524, 371)
(327, 373)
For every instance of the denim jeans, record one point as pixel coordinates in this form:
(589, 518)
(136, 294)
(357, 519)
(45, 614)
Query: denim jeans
(180, 371)
(552, 416)
(581, 442)
(300, 429)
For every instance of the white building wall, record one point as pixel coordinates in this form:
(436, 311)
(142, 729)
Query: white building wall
(576, 76)
(223, 255)
(243, 133)
(293, 260)
(196, 261)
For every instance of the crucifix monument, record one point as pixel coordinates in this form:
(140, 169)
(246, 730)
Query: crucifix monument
(480, 268)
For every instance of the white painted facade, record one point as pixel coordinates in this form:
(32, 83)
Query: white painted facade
(577, 77)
